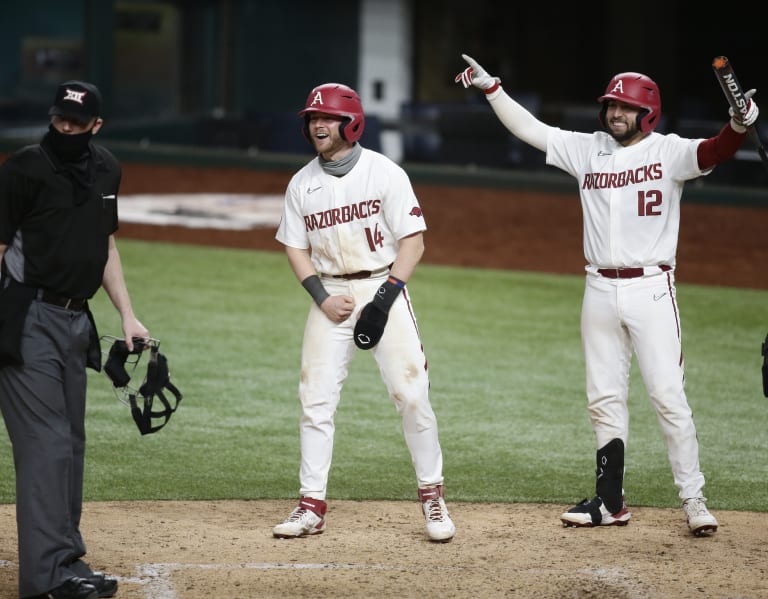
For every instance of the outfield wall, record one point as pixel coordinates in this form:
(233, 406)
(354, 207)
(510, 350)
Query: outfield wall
(548, 179)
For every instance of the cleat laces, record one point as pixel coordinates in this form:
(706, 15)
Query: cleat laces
(297, 514)
(435, 511)
(696, 508)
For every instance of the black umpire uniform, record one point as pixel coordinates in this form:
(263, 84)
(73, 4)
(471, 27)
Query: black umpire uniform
(58, 212)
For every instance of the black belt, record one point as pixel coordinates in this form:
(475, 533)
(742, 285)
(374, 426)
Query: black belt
(362, 274)
(628, 273)
(71, 303)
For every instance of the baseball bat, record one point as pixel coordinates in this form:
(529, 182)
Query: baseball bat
(735, 96)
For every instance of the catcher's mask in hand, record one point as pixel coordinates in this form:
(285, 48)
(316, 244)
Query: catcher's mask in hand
(156, 381)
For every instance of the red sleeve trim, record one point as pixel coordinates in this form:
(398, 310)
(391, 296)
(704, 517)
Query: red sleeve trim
(720, 148)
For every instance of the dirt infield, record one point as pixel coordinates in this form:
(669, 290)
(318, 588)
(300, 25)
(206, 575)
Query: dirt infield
(203, 550)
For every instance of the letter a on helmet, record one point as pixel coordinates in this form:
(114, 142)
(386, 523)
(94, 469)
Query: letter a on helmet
(317, 100)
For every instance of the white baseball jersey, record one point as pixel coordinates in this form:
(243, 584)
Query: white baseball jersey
(630, 196)
(354, 222)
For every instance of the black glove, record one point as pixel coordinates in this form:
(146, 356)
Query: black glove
(373, 317)
(764, 350)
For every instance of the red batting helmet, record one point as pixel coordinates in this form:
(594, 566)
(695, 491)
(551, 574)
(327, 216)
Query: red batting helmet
(637, 90)
(339, 100)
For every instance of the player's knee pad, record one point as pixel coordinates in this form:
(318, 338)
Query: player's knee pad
(610, 474)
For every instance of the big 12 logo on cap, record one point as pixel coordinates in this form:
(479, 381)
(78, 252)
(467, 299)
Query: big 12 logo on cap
(74, 95)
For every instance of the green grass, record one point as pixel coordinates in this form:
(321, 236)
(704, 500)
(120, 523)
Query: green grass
(507, 379)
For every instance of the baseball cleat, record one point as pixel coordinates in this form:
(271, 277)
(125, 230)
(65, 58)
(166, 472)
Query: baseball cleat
(700, 521)
(73, 588)
(307, 518)
(592, 512)
(440, 527)
(106, 586)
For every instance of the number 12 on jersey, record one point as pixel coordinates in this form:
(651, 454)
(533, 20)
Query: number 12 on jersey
(648, 202)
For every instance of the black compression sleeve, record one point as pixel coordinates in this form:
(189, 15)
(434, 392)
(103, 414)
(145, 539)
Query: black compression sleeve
(315, 288)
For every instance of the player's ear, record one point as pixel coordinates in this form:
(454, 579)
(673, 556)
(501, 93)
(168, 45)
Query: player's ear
(97, 125)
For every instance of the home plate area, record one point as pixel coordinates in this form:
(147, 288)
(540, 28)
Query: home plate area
(202, 210)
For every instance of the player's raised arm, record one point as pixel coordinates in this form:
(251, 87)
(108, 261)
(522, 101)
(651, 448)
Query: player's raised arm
(521, 123)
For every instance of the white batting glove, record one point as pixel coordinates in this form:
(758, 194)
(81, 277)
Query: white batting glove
(743, 121)
(476, 75)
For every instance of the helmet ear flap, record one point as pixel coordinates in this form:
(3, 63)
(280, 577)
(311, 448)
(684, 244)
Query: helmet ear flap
(343, 129)
(305, 128)
(646, 121)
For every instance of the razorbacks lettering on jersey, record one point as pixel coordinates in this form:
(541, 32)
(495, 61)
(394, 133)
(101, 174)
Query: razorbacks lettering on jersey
(353, 222)
(631, 212)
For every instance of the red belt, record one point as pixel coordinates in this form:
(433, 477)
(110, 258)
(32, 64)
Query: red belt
(628, 273)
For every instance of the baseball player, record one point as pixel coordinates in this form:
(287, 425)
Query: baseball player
(353, 233)
(630, 180)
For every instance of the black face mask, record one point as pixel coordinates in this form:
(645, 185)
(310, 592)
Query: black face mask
(69, 148)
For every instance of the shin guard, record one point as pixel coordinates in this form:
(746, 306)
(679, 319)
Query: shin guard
(610, 474)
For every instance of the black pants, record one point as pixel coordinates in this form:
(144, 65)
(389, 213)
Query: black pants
(43, 405)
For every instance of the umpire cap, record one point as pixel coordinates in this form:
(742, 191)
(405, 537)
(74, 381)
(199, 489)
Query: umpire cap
(77, 100)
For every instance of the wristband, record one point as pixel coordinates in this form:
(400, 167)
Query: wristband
(492, 89)
(315, 288)
(737, 126)
(388, 292)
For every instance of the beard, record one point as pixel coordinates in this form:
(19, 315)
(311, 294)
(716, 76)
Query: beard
(630, 132)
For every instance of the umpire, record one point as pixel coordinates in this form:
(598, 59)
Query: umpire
(58, 216)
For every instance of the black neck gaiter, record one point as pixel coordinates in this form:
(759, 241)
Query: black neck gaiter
(75, 159)
(69, 148)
